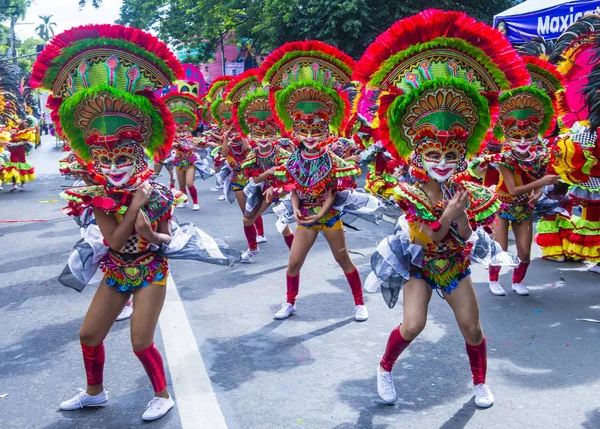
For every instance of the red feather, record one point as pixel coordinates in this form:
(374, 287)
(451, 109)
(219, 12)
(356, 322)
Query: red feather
(307, 45)
(433, 23)
(549, 67)
(110, 31)
(169, 125)
(248, 74)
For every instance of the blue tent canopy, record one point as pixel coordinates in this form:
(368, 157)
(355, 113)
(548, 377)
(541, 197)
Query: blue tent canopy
(543, 18)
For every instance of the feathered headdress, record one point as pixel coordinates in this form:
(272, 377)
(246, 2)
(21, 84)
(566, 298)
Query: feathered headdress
(250, 105)
(307, 79)
(184, 108)
(216, 96)
(102, 78)
(573, 54)
(592, 89)
(440, 74)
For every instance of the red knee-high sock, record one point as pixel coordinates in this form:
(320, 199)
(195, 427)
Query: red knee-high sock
(260, 227)
(520, 272)
(93, 360)
(250, 232)
(153, 364)
(183, 190)
(289, 239)
(355, 287)
(494, 271)
(293, 286)
(395, 346)
(193, 194)
(478, 361)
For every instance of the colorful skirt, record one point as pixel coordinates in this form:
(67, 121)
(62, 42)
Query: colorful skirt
(584, 240)
(131, 271)
(19, 172)
(553, 235)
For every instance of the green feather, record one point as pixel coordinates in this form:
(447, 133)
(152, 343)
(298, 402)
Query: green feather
(442, 43)
(282, 97)
(81, 45)
(76, 135)
(399, 106)
(541, 95)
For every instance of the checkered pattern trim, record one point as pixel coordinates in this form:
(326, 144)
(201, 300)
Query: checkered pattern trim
(131, 246)
(587, 139)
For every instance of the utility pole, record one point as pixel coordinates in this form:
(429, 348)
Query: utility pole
(223, 53)
(13, 37)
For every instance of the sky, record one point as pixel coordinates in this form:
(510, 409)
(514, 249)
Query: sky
(66, 14)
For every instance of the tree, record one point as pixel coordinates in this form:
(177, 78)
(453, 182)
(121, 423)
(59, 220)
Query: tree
(351, 25)
(28, 48)
(46, 29)
(9, 8)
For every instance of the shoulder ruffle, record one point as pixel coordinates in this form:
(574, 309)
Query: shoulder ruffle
(158, 208)
(483, 204)
(415, 203)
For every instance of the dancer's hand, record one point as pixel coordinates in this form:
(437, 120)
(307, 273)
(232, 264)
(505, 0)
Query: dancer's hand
(143, 225)
(549, 179)
(353, 158)
(457, 205)
(268, 194)
(300, 219)
(535, 197)
(142, 195)
(311, 219)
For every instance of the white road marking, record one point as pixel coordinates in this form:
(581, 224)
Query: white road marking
(196, 400)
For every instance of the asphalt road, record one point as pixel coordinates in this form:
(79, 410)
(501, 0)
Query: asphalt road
(314, 370)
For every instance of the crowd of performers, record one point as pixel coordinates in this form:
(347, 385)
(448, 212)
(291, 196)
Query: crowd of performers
(19, 129)
(457, 129)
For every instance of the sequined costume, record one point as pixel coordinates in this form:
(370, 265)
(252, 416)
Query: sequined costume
(415, 105)
(113, 129)
(439, 74)
(306, 83)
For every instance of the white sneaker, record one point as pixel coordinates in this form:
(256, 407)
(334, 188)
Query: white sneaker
(1, 188)
(13, 188)
(82, 400)
(196, 207)
(261, 239)
(497, 289)
(483, 396)
(221, 198)
(125, 313)
(385, 386)
(520, 289)
(216, 188)
(594, 269)
(157, 408)
(248, 255)
(286, 311)
(361, 313)
(183, 205)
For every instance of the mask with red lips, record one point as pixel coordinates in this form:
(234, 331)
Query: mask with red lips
(123, 167)
(312, 130)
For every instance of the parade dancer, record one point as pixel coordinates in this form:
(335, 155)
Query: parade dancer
(305, 81)
(166, 162)
(235, 148)
(96, 74)
(526, 113)
(17, 170)
(183, 107)
(579, 166)
(215, 94)
(435, 112)
(255, 122)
